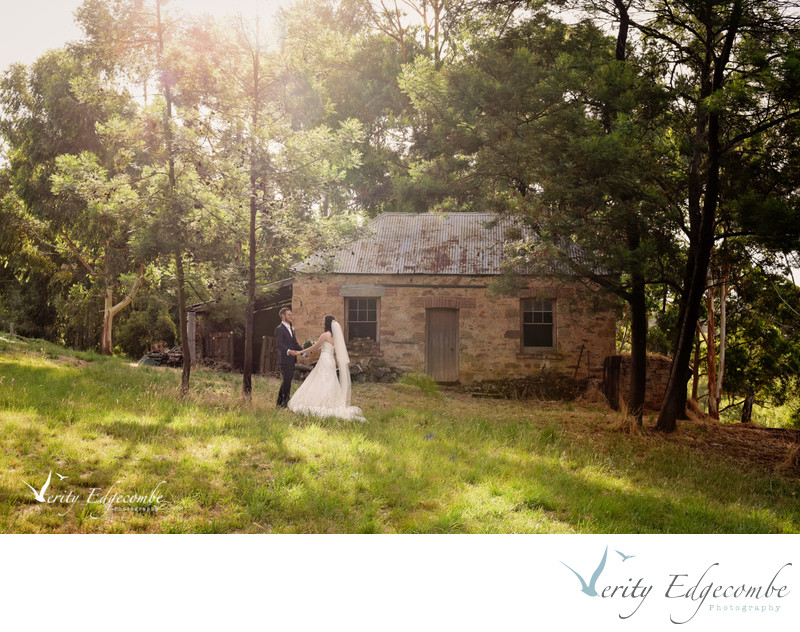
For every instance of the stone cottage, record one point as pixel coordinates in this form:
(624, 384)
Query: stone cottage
(413, 291)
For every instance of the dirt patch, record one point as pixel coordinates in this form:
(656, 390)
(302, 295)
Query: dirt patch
(72, 361)
(773, 450)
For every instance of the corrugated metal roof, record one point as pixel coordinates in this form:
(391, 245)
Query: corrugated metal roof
(421, 243)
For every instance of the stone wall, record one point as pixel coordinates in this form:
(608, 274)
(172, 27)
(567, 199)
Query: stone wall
(617, 380)
(489, 325)
(372, 370)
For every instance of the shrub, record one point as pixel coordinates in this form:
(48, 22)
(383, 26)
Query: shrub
(423, 382)
(144, 326)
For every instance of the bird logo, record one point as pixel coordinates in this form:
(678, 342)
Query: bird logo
(39, 495)
(590, 589)
(625, 557)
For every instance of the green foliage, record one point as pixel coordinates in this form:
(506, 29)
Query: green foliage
(763, 354)
(765, 414)
(43, 116)
(662, 333)
(80, 316)
(146, 323)
(542, 122)
(423, 382)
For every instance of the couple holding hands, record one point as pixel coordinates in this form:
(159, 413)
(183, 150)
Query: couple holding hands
(323, 393)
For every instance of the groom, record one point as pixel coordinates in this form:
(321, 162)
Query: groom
(288, 347)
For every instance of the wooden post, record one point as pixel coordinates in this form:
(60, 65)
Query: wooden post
(262, 361)
(192, 336)
(577, 366)
(11, 328)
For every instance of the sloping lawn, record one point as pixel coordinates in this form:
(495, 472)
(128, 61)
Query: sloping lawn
(425, 462)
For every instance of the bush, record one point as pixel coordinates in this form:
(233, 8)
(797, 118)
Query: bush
(142, 327)
(423, 382)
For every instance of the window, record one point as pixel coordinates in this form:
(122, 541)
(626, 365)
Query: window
(362, 318)
(538, 331)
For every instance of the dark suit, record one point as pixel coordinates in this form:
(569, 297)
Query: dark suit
(285, 341)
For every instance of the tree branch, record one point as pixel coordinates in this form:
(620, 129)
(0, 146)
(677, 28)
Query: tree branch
(132, 294)
(758, 129)
(74, 250)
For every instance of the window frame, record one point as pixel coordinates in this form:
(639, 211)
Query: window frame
(377, 316)
(554, 312)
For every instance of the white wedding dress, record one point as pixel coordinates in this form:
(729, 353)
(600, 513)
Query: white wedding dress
(323, 394)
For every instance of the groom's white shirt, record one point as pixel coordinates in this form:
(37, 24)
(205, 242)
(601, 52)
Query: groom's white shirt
(289, 327)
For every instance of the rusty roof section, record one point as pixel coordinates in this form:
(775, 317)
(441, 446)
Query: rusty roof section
(421, 243)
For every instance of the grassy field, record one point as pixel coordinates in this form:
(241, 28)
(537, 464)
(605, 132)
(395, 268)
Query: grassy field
(425, 462)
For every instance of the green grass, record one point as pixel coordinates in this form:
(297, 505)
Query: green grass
(426, 462)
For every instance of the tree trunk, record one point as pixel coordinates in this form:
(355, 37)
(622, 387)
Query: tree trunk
(675, 397)
(723, 324)
(247, 385)
(638, 300)
(108, 319)
(747, 409)
(674, 405)
(638, 383)
(110, 310)
(184, 325)
(711, 354)
(696, 365)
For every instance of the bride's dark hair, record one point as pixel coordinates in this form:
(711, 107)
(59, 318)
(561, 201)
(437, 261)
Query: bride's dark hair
(328, 320)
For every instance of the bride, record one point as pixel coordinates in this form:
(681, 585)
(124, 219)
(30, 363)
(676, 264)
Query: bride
(323, 394)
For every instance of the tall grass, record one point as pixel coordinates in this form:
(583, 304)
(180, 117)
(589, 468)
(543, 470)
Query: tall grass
(427, 461)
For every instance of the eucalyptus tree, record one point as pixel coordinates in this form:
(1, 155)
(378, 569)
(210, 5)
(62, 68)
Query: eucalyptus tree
(144, 43)
(758, 227)
(428, 27)
(99, 232)
(46, 113)
(275, 169)
(353, 53)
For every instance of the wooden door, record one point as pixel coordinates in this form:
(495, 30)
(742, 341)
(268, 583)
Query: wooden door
(441, 349)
